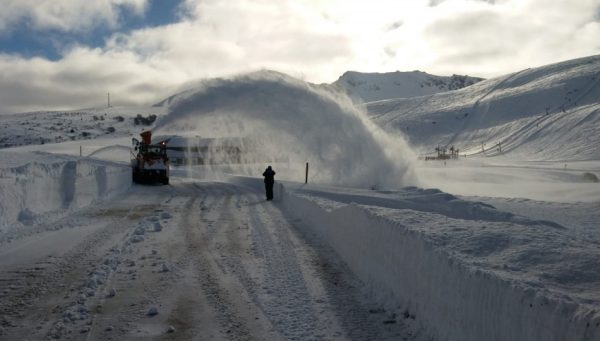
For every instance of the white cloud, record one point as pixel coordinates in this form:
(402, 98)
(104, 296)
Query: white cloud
(66, 15)
(315, 40)
(492, 39)
(229, 37)
(81, 79)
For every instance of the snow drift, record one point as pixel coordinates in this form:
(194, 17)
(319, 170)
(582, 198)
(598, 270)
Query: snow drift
(292, 122)
(33, 184)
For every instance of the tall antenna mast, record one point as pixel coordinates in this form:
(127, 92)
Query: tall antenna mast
(108, 99)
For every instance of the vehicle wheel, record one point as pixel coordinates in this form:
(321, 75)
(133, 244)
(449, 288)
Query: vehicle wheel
(165, 181)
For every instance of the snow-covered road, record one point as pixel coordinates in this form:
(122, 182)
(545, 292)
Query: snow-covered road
(194, 260)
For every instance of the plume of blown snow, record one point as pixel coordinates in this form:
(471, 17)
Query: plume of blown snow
(286, 122)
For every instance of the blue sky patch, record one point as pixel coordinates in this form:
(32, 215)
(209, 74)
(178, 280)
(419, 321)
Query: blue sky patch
(23, 40)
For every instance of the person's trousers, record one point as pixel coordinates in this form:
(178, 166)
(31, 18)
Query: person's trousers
(269, 190)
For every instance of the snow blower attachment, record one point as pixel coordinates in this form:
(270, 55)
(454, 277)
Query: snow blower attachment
(149, 162)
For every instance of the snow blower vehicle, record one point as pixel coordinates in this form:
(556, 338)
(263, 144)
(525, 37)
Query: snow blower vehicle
(149, 162)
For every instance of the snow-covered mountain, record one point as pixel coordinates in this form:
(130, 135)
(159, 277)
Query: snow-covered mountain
(545, 113)
(368, 87)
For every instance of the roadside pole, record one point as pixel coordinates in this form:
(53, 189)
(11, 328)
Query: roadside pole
(306, 177)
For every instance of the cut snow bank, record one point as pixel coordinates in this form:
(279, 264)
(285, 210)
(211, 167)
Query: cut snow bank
(35, 183)
(292, 122)
(476, 274)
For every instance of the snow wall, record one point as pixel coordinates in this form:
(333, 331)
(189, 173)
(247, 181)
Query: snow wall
(32, 189)
(452, 302)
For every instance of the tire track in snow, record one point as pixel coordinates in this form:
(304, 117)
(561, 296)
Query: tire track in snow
(285, 298)
(199, 238)
(336, 301)
(303, 289)
(40, 298)
(341, 294)
(177, 293)
(266, 267)
(156, 273)
(301, 292)
(269, 286)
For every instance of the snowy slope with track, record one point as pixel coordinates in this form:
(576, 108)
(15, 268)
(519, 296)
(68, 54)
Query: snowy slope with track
(548, 113)
(362, 252)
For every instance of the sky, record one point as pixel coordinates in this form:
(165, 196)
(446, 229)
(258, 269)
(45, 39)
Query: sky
(68, 54)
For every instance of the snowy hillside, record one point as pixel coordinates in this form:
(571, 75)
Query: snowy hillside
(545, 113)
(37, 128)
(369, 87)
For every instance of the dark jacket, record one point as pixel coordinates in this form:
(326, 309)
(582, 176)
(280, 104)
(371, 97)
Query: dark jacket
(269, 175)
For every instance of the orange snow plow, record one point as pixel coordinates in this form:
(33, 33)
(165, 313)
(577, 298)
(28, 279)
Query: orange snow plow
(149, 162)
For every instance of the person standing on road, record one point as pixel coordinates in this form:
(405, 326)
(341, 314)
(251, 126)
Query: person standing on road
(269, 175)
